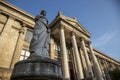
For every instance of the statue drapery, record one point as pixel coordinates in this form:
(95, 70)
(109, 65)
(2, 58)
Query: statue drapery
(41, 36)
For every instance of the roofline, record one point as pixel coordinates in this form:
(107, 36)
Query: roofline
(105, 55)
(17, 9)
(61, 16)
(88, 35)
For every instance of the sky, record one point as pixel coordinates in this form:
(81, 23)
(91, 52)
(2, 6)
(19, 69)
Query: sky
(100, 17)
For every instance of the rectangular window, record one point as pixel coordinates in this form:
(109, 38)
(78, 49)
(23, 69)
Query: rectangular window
(29, 35)
(24, 54)
(57, 47)
(57, 51)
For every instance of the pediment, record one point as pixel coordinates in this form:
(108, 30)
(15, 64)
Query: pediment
(75, 23)
(72, 22)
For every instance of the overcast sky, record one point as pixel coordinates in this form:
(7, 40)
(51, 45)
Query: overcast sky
(100, 17)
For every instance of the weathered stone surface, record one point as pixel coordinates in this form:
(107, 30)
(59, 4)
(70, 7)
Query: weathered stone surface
(40, 42)
(37, 68)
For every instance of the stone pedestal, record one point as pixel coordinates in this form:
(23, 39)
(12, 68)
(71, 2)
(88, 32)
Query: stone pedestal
(37, 68)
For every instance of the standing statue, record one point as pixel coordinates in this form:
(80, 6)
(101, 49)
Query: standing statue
(40, 42)
(35, 67)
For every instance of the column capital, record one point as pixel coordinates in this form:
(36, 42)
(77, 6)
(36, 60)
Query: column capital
(11, 17)
(22, 30)
(82, 39)
(61, 26)
(89, 42)
(73, 33)
(24, 25)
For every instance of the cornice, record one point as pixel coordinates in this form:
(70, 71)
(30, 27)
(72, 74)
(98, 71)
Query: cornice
(66, 19)
(17, 18)
(76, 28)
(73, 20)
(106, 55)
(16, 8)
(18, 12)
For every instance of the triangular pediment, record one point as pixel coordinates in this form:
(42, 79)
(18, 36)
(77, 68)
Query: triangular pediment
(75, 23)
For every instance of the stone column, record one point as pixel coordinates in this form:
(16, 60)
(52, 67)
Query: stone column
(87, 58)
(77, 58)
(106, 63)
(19, 46)
(101, 67)
(6, 51)
(83, 63)
(74, 63)
(113, 66)
(106, 70)
(7, 26)
(95, 63)
(52, 51)
(65, 65)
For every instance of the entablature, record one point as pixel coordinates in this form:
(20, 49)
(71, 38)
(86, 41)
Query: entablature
(105, 57)
(70, 26)
(16, 13)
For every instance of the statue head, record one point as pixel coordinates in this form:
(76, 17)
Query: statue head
(43, 12)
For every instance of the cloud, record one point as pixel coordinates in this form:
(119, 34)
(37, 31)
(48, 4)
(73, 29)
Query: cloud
(104, 39)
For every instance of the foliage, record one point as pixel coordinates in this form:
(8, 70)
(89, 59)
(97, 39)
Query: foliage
(115, 74)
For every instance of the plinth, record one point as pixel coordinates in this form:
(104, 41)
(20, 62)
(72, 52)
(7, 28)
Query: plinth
(37, 68)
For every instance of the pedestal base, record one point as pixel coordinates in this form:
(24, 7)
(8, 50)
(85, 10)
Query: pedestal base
(37, 69)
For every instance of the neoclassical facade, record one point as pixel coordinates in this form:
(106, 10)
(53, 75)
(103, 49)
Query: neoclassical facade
(70, 45)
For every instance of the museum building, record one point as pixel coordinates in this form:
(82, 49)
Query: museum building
(70, 45)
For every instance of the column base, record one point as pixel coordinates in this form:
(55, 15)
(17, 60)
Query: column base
(37, 69)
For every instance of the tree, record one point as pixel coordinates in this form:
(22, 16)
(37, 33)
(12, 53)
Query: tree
(115, 74)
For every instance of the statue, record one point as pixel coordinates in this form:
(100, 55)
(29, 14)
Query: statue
(36, 66)
(40, 42)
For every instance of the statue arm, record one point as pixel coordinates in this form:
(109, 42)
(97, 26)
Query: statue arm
(36, 18)
(48, 30)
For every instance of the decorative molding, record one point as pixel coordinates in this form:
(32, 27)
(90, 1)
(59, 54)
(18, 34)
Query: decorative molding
(16, 8)
(73, 33)
(12, 15)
